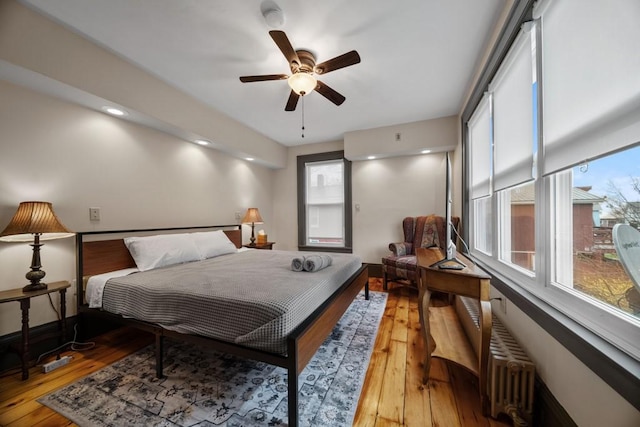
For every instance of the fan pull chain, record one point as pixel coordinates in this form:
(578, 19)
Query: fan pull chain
(302, 116)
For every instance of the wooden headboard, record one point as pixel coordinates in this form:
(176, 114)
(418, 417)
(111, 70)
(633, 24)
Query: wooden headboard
(109, 255)
(101, 256)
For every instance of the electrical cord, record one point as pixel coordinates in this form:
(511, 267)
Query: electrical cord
(468, 252)
(74, 345)
(53, 307)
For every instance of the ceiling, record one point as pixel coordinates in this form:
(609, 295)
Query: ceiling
(418, 56)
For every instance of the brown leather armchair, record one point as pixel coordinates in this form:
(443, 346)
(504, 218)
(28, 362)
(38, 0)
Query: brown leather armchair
(419, 232)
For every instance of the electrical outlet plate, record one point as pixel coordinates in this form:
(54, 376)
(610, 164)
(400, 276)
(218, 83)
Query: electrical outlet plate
(94, 214)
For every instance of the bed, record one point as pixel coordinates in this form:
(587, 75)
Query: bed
(290, 335)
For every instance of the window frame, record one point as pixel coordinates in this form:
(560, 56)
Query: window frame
(616, 367)
(302, 217)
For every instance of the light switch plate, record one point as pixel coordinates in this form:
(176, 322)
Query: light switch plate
(94, 214)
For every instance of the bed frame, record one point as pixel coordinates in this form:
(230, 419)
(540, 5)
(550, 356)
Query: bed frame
(96, 256)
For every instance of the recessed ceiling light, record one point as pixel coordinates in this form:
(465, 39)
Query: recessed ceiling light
(251, 159)
(202, 142)
(115, 111)
(371, 157)
(425, 151)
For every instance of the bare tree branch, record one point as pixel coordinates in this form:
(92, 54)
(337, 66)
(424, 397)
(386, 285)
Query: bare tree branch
(621, 207)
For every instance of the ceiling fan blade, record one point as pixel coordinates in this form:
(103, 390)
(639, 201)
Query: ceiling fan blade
(263, 78)
(285, 47)
(329, 93)
(344, 60)
(292, 102)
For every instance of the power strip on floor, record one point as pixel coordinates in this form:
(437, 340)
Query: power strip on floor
(48, 367)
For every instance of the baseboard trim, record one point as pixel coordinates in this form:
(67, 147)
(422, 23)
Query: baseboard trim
(375, 270)
(547, 411)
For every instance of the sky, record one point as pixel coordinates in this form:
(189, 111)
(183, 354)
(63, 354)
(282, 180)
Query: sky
(617, 169)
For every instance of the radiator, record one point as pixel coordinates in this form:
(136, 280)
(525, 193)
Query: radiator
(511, 374)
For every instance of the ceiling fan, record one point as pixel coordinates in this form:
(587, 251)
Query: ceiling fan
(303, 67)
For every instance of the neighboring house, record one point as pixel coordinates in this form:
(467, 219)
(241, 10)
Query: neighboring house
(630, 216)
(609, 220)
(586, 236)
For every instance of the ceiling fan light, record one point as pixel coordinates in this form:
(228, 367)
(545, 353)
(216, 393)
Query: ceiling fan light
(302, 83)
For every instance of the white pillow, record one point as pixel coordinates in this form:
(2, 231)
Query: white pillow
(213, 243)
(161, 250)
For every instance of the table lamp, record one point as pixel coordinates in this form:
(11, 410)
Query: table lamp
(252, 216)
(34, 221)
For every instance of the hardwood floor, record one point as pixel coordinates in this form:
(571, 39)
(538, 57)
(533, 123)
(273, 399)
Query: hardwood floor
(392, 395)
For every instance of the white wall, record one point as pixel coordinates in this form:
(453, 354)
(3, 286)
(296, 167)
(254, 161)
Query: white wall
(45, 54)
(402, 139)
(386, 191)
(78, 158)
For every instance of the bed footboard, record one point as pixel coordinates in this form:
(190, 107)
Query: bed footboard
(307, 338)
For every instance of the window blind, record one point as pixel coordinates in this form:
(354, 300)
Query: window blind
(512, 93)
(591, 103)
(479, 126)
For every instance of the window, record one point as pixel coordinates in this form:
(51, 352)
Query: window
(546, 181)
(517, 226)
(482, 227)
(586, 209)
(324, 202)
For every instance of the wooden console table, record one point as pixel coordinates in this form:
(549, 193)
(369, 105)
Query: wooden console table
(454, 344)
(25, 303)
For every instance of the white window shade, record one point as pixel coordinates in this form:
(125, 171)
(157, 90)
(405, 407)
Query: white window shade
(480, 148)
(591, 79)
(512, 93)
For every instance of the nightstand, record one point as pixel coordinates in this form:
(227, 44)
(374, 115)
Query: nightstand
(25, 303)
(268, 245)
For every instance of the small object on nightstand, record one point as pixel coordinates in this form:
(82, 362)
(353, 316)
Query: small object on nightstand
(266, 245)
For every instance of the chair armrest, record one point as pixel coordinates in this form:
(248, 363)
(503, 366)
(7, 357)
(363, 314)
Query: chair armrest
(401, 248)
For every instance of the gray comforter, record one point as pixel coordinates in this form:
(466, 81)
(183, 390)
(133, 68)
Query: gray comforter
(251, 298)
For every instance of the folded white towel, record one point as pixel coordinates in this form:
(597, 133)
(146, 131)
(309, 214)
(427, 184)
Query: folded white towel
(297, 264)
(316, 262)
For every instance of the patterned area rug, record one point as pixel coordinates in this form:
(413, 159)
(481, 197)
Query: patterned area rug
(207, 388)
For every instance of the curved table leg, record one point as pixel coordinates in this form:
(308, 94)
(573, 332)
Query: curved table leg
(424, 297)
(486, 323)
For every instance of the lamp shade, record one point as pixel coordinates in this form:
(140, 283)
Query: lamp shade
(34, 218)
(302, 83)
(252, 216)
